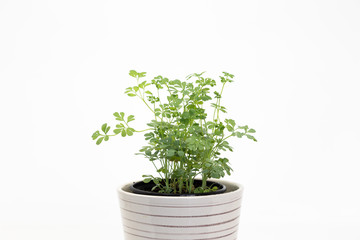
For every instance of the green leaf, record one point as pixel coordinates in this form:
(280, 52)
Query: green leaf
(95, 135)
(119, 116)
(156, 181)
(147, 180)
(142, 85)
(131, 95)
(148, 135)
(142, 74)
(229, 128)
(133, 73)
(215, 175)
(180, 153)
(170, 152)
(129, 132)
(244, 127)
(217, 95)
(231, 122)
(205, 98)
(239, 134)
(99, 140)
(147, 176)
(106, 138)
(130, 118)
(148, 92)
(117, 131)
(223, 109)
(199, 190)
(228, 75)
(136, 88)
(103, 127)
(210, 125)
(251, 137)
(123, 133)
(107, 129)
(251, 130)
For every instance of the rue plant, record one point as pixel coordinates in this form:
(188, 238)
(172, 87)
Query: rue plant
(184, 141)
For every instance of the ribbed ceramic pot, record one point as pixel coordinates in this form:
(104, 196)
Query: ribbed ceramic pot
(181, 217)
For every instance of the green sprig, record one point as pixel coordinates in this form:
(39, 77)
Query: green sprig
(184, 141)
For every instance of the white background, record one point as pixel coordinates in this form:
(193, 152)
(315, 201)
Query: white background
(63, 70)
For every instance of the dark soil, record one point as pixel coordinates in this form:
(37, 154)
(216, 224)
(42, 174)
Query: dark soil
(145, 188)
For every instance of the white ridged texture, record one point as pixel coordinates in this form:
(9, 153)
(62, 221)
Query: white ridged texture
(210, 217)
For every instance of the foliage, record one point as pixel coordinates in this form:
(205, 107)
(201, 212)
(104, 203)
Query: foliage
(183, 141)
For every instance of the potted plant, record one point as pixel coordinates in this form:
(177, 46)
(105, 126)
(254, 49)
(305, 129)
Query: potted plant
(184, 143)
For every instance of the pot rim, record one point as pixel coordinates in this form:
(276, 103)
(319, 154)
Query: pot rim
(231, 188)
(144, 192)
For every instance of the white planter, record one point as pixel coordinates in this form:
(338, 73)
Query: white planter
(183, 218)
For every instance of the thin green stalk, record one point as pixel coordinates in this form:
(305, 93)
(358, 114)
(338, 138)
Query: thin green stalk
(157, 170)
(212, 152)
(191, 184)
(218, 108)
(203, 181)
(147, 104)
(166, 173)
(144, 130)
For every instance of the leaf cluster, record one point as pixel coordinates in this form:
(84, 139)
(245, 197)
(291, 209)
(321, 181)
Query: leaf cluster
(184, 141)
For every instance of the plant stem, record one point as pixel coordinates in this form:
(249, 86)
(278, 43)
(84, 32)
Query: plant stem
(144, 130)
(166, 174)
(190, 185)
(157, 170)
(214, 149)
(203, 181)
(218, 108)
(147, 104)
